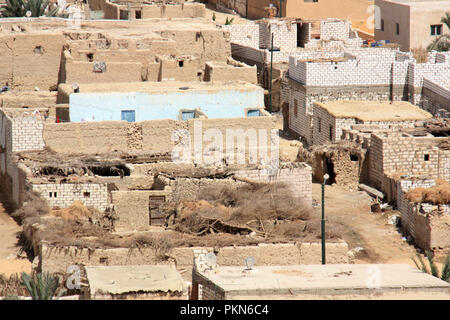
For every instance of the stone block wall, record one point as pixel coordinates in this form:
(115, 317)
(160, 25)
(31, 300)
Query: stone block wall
(299, 179)
(63, 195)
(244, 34)
(284, 35)
(435, 98)
(334, 29)
(397, 153)
(27, 133)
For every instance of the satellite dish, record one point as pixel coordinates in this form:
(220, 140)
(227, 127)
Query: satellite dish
(249, 263)
(210, 259)
(28, 14)
(75, 87)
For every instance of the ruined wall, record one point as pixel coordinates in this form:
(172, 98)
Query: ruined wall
(63, 195)
(426, 223)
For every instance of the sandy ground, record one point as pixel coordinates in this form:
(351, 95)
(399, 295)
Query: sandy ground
(9, 229)
(381, 241)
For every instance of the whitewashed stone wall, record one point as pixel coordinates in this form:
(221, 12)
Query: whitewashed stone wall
(63, 195)
(27, 134)
(244, 34)
(332, 29)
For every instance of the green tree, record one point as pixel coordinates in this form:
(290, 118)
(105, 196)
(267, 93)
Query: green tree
(19, 8)
(432, 268)
(41, 286)
(442, 43)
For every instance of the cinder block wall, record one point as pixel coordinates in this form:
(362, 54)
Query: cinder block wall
(63, 195)
(298, 179)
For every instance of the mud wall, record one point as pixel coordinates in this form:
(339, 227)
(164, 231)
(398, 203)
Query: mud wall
(57, 260)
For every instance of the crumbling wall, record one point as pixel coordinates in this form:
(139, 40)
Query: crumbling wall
(428, 224)
(182, 10)
(63, 195)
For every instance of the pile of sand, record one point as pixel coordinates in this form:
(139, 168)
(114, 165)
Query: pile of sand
(439, 194)
(76, 211)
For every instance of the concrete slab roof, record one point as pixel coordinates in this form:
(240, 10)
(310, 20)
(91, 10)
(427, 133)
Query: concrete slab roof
(375, 110)
(130, 279)
(163, 86)
(273, 280)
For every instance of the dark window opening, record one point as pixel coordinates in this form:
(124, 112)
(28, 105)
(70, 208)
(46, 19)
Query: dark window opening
(50, 194)
(436, 30)
(90, 57)
(295, 107)
(138, 14)
(103, 260)
(86, 194)
(181, 63)
(110, 171)
(55, 194)
(426, 157)
(382, 25)
(331, 133)
(397, 28)
(38, 50)
(199, 74)
(320, 125)
(354, 157)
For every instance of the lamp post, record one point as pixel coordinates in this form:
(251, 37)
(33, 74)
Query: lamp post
(272, 49)
(325, 178)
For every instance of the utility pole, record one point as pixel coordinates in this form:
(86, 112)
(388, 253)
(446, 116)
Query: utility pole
(325, 178)
(272, 49)
(281, 8)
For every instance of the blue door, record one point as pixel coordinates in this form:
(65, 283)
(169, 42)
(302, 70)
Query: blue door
(128, 115)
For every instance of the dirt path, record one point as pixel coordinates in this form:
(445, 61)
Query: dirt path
(381, 241)
(8, 245)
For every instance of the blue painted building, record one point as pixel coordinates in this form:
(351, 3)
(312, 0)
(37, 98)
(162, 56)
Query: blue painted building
(164, 101)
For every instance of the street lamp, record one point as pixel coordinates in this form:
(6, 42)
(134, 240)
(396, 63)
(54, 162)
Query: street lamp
(325, 178)
(272, 49)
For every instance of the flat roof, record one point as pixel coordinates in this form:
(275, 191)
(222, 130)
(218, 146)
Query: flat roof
(375, 110)
(330, 278)
(129, 279)
(160, 86)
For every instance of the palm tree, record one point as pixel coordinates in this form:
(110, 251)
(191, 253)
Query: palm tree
(442, 43)
(41, 286)
(433, 270)
(19, 8)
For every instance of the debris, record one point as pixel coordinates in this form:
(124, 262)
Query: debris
(394, 220)
(371, 191)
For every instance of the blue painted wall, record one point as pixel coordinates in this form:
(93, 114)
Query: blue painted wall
(154, 106)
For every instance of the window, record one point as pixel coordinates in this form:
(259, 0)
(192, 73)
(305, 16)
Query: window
(319, 127)
(186, 115)
(253, 113)
(295, 107)
(354, 157)
(87, 194)
(426, 157)
(181, 63)
(397, 28)
(128, 115)
(331, 133)
(382, 25)
(138, 14)
(436, 30)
